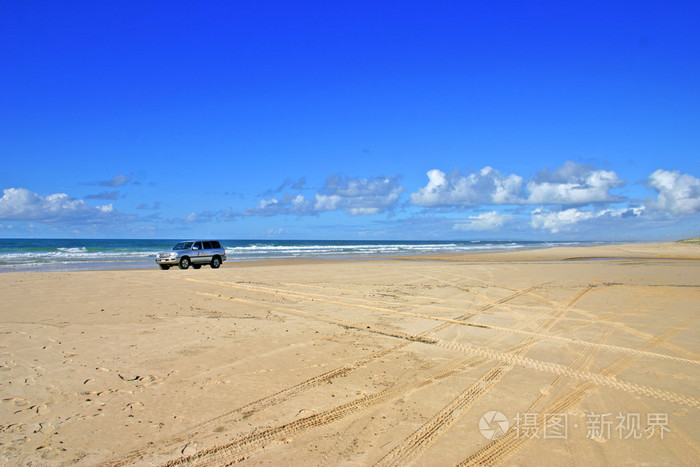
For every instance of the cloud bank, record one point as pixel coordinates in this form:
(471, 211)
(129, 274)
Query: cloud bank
(573, 199)
(567, 199)
(354, 196)
(488, 186)
(571, 183)
(19, 204)
(358, 196)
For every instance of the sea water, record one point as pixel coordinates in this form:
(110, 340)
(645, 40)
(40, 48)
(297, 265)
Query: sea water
(53, 254)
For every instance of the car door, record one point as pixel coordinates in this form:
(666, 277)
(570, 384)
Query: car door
(207, 251)
(198, 254)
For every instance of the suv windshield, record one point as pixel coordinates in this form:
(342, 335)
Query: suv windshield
(183, 246)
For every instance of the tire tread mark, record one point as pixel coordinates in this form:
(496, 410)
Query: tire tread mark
(514, 359)
(425, 435)
(502, 449)
(635, 332)
(555, 368)
(420, 439)
(457, 321)
(273, 399)
(338, 321)
(235, 450)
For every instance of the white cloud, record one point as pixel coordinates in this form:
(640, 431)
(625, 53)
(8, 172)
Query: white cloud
(571, 183)
(289, 204)
(488, 186)
(20, 204)
(637, 211)
(556, 221)
(483, 222)
(356, 196)
(359, 196)
(678, 194)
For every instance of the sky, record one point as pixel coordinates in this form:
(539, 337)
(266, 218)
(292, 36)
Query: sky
(404, 120)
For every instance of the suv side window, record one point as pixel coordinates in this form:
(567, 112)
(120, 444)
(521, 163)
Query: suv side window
(215, 244)
(197, 246)
(207, 245)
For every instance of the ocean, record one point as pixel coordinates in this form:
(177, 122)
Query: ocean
(52, 254)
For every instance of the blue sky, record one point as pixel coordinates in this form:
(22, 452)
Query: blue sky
(348, 120)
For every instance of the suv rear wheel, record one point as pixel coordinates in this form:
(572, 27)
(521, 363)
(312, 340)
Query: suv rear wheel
(184, 263)
(215, 262)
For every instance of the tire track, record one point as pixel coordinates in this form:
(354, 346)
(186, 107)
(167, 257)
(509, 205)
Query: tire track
(283, 395)
(433, 428)
(510, 358)
(582, 362)
(502, 449)
(485, 353)
(335, 301)
(399, 296)
(237, 450)
(249, 409)
(325, 378)
(640, 334)
(431, 298)
(557, 369)
(457, 321)
(517, 294)
(326, 298)
(654, 342)
(491, 302)
(338, 321)
(430, 431)
(579, 295)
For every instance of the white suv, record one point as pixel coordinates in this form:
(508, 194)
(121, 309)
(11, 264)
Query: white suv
(193, 252)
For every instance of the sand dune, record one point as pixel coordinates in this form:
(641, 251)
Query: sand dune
(570, 355)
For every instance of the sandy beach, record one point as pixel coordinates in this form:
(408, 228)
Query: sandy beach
(577, 356)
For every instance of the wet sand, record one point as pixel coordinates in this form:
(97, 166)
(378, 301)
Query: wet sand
(573, 356)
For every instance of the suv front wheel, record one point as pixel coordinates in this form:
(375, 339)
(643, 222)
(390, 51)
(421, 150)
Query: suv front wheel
(184, 263)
